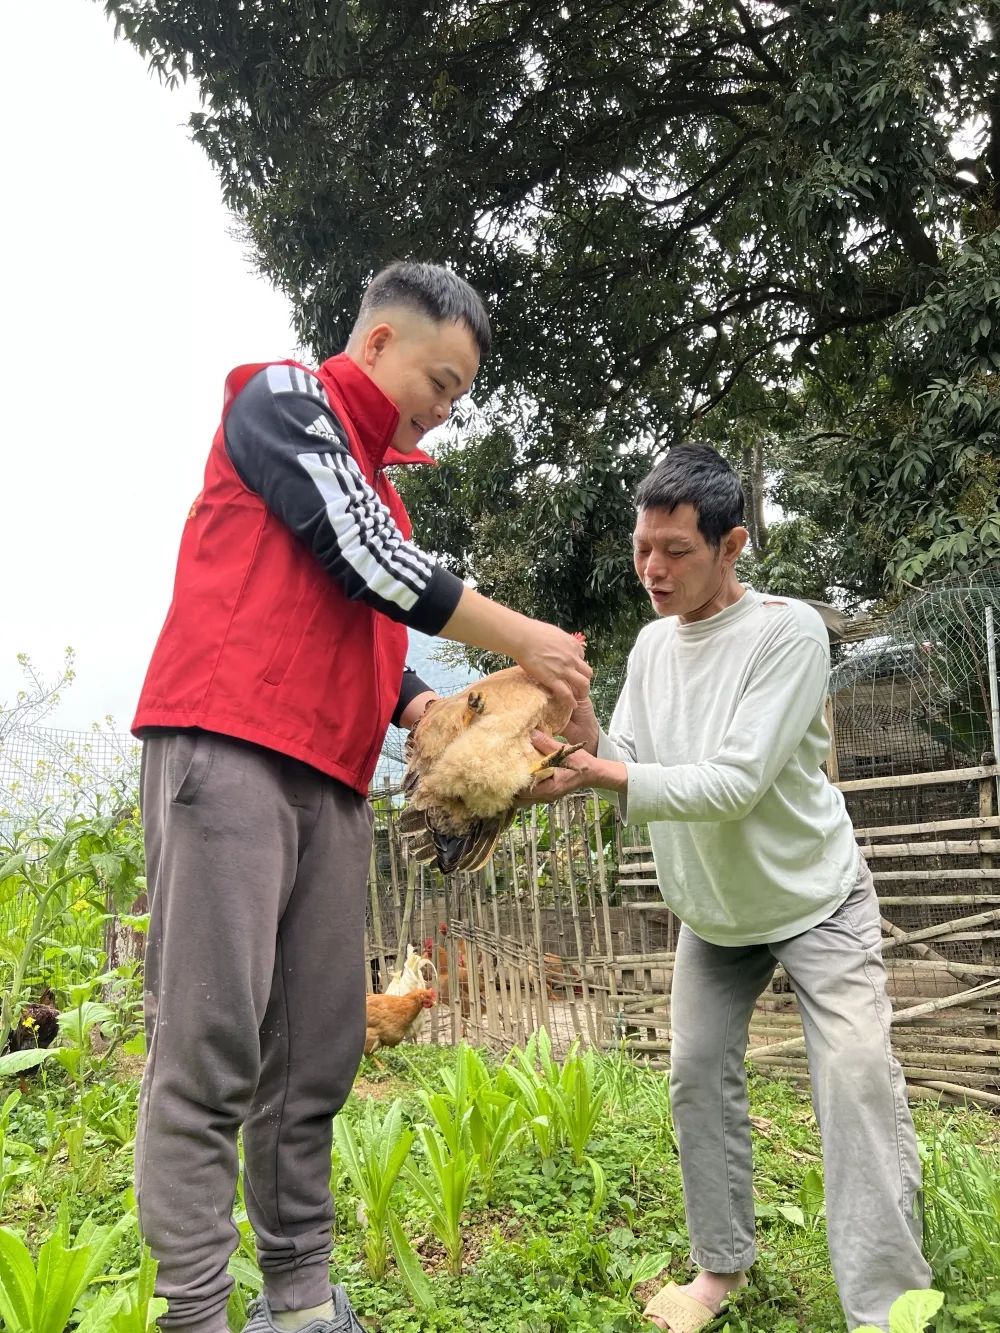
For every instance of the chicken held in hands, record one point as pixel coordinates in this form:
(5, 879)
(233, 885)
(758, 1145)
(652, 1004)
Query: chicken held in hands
(469, 759)
(390, 1018)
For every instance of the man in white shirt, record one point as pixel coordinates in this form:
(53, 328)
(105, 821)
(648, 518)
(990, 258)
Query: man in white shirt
(717, 743)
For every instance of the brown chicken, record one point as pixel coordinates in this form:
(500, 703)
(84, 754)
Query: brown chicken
(469, 758)
(390, 1017)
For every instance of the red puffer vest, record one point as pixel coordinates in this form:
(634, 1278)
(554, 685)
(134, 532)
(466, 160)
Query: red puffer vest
(260, 642)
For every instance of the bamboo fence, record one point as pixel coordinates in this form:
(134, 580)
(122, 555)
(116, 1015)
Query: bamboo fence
(566, 929)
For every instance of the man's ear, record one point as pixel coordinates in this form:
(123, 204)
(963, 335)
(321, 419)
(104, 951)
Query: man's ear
(733, 543)
(375, 342)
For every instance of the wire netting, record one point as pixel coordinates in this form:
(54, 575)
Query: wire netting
(49, 772)
(915, 696)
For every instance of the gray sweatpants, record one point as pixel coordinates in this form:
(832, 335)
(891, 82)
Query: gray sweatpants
(870, 1162)
(255, 1014)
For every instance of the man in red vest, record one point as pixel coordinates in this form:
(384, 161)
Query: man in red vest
(276, 674)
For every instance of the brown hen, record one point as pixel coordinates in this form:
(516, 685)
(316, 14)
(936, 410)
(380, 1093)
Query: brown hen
(390, 1017)
(469, 758)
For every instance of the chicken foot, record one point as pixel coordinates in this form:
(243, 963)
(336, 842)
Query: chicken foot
(475, 705)
(548, 762)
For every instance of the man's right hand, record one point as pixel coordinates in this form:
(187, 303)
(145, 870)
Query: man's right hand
(548, 654)
(555, 659)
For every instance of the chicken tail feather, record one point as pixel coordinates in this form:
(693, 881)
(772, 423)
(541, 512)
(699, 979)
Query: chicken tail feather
(412, 821)
(473, 849)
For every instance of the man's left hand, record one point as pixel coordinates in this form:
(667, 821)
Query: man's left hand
(577, 771)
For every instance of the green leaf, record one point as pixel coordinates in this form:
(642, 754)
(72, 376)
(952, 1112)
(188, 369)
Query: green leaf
(13, 865)
(17, 1281)
(414, 1278)
(60, 1282)
(16, 1062)
(913, 1310)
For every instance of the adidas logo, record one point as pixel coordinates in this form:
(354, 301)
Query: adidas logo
(323, 427)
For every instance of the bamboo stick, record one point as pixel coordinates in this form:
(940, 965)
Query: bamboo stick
(503, 1018)
(660, 958)
(986, 812)
(931, 826)
(968, 1094)
(924, 950)
(490, 962)
(938, 899)
(514, 1015)
(909, 1038)
(581, 956)
(915, 876)
(526, 1020)
(942, 847)
(394, 876)
(610, 973)
(472, 962)
(900, 1016)
(944, 928)
(451, 953)
(912, 1072)
(543, 999)
(376, 916)
(405, 923)
(940, 779)
(910, 1058)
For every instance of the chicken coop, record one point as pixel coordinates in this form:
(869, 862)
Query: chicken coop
(566, 927)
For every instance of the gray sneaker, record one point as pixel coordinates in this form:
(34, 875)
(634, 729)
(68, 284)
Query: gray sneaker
(344, 1319)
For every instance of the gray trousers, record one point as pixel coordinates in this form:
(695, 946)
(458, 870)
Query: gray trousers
(255, 1014)
(870, 1163)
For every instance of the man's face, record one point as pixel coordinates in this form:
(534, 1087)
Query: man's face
(681, 572)
(421, 366)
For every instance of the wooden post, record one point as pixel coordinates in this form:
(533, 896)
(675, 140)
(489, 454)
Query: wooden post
(581, 956)
(543, 999)
(524, 999)
(407, 917)
(376, 919)
(472, 963)
(454, 985)
(611, 979)
(402, 920)
(986, 811)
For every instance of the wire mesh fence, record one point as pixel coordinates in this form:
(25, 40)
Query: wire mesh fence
(49, 773)
(919, 694)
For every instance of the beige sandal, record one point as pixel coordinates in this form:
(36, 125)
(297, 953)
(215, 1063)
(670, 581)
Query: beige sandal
(682, 1312)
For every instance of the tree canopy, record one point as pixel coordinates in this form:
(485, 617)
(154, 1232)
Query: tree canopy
(773, 226)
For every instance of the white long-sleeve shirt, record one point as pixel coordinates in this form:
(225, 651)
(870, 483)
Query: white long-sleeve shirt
(720, 725)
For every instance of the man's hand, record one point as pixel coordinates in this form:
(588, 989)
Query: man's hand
(554, 659)
(549, 655)
(583, 727)
(576, 772)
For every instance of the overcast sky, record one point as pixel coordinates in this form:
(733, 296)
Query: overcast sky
(125, 303)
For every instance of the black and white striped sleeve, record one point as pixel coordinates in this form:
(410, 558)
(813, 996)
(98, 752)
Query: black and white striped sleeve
(289, 448)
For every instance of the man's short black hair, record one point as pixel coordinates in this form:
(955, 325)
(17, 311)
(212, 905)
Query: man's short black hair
(696, 475)
(432, 290)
